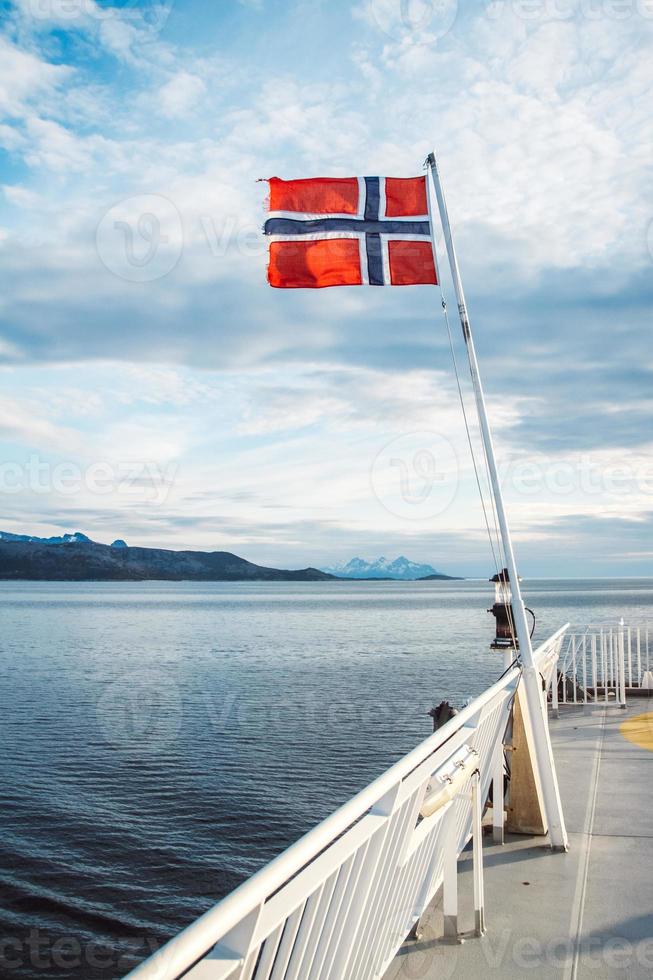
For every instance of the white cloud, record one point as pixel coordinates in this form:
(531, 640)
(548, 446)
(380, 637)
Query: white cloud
(22, 197)
(525, 115)
(129, 32)
(24, 77)
(181, 94)
(10, 138)
(25, 422)
(54, 147)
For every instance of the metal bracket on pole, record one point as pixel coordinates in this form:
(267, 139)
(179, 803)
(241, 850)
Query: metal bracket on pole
(531, 676)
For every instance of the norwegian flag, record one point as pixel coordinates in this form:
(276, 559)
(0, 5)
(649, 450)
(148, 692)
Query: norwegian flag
(349, 231)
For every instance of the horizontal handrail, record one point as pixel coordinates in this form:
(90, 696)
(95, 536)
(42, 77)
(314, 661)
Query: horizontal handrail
(544, 647)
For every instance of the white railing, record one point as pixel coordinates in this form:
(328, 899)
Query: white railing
(338, 904)
(602, 663)
(547, 656)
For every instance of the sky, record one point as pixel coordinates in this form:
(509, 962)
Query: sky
(154, 388)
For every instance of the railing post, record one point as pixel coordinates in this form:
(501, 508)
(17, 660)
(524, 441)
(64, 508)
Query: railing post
(584, 654)
(477, 854)
(497, 795)
(630, 657)
(595, 679)
(604, 664)
(639, 656)
(647, 660)
(555, 710)
(450, 882)
(622, 666)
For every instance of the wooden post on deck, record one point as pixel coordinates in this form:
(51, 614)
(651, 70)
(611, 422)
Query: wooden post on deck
(526, 807)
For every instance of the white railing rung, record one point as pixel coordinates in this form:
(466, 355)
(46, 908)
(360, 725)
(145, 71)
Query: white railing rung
(287, 944)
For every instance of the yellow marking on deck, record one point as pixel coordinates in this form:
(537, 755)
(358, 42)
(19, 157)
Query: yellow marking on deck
(639, 730)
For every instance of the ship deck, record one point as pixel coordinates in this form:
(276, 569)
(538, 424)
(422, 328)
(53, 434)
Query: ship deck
(584, 914)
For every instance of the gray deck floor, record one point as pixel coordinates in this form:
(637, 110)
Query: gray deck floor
(587, 913)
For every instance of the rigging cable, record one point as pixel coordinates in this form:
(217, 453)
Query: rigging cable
(476, 383)
(469, 439)
(499, 563)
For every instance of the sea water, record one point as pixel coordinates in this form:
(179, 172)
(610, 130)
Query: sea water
(163, 741)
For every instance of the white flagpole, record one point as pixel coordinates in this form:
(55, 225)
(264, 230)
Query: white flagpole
(531, 675)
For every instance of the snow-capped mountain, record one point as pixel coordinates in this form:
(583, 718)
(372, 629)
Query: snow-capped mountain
(401, 568)
(76, 538)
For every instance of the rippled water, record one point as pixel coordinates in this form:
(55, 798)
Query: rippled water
(162, 741)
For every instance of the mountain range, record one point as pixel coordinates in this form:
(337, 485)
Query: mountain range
(401, 568)
(74, 557)
(77, 538)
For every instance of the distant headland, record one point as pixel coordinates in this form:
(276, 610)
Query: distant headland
(74, 557)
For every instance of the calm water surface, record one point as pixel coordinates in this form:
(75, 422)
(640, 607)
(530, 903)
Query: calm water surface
(163, 741)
